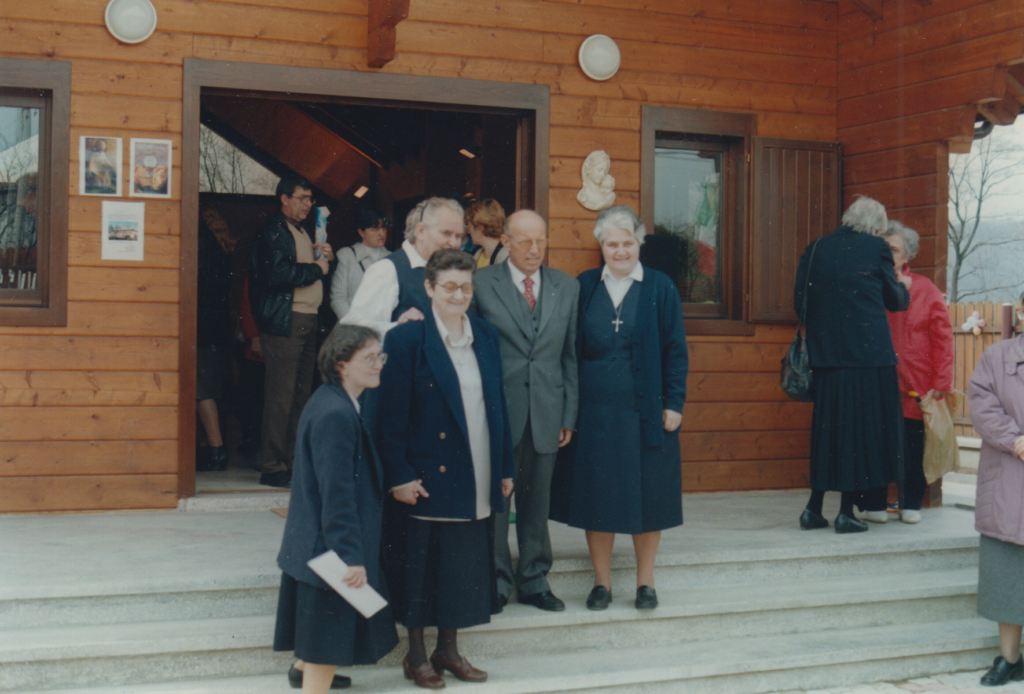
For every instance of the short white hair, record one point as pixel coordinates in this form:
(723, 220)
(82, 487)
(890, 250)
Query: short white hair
(619, 217)
(866, 216)
(911, 239)
(426, 213)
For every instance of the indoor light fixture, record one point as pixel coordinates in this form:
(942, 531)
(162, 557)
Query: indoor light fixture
(363, 190)
(131, 21)
(599, 57)
(466, 153)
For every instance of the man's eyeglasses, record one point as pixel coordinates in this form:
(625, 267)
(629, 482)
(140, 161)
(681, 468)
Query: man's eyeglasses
(304, 198)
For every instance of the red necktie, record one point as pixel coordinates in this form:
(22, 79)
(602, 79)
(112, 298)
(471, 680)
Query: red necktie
(528, 293)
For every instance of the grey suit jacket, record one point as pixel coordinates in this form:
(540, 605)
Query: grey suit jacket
(539, 366)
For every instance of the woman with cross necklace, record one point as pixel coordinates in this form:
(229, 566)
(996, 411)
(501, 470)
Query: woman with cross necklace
(621, 473)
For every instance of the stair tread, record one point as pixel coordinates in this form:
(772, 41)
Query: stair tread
(632, 666)
(50, 643)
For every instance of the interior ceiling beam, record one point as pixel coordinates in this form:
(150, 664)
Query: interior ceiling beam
(296, 140)
(872, 8)
(382, 19)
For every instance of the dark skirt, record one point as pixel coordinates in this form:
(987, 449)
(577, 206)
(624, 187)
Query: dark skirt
(1000, 588)
(448, 573)
(322, 628)
(857, 429)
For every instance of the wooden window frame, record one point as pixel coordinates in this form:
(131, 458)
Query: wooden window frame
(51, 81)
(732, 128)
(532, 173)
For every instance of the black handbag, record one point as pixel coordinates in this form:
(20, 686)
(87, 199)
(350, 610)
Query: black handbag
(796, 378)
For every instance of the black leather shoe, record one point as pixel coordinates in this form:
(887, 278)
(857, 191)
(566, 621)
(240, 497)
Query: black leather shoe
(282, 479)
(646, 598)
(1002, 672)
(295, 680)
(845, 524)
(809, 520)
(545, 601)
(599, 599)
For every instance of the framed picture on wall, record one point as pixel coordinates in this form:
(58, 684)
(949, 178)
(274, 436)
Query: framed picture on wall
(150, 163)
(99, 165)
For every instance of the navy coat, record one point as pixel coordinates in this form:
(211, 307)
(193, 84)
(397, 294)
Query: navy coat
(421, 420)
(336, 498)
(659, 353)
(852, 284)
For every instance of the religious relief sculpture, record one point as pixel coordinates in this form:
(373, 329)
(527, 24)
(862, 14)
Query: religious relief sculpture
(598, 190)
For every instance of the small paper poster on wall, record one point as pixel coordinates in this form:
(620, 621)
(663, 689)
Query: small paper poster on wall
(99, 165)
(124, 230)
(151, 168)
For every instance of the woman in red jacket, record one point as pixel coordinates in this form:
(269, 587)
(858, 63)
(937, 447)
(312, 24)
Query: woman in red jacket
(923, 338)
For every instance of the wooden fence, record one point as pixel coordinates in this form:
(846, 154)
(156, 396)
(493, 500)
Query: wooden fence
(968, 349)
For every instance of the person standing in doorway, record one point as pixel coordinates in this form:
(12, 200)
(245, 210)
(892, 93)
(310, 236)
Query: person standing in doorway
(353, 261)
(534, 308)
(286, 273)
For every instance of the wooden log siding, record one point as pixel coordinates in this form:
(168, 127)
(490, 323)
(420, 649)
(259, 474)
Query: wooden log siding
(910, 83)
(90, 411)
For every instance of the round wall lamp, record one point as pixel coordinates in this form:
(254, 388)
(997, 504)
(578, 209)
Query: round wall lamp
(599, 57)
(131, 21)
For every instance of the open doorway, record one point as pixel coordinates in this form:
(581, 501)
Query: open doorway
(416, 138)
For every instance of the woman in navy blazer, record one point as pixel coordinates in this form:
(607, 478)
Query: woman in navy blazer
(446, 446)
(336, 502)
(857, 427)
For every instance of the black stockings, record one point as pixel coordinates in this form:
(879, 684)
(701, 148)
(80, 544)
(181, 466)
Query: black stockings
(447, 645)
(845, 502)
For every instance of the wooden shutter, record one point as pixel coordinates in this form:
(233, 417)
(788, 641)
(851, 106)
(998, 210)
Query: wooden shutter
(797, 198)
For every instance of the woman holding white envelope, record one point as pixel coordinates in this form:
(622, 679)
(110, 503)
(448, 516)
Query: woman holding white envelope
(336, 504)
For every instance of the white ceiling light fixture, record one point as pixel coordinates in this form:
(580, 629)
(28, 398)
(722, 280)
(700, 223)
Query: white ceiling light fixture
(599, 57)
(131, 21)
(363, 190)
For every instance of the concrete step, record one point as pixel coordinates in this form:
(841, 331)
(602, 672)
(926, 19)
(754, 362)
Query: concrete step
(204, 595)
(721, 666)
(146, 651)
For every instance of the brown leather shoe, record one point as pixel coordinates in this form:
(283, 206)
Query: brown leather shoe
(424, 676)
(460, 668)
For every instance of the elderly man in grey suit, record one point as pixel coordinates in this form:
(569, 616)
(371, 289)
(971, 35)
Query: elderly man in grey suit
(534, 308)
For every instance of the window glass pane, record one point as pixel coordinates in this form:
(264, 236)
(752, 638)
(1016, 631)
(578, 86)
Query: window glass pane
(688, 214)
(19, 172)
(223, 168)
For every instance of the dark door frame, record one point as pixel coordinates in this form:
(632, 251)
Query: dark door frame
(533, 100)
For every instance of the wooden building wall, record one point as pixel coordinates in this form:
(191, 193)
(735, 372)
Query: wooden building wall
(909, 84)
(89, 413)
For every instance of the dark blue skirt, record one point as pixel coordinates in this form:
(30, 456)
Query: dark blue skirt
(448, 574)
(857, 429)
(322, 628)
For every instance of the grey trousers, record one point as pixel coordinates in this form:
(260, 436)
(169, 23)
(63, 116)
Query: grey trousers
(289, 380)
(533, 500)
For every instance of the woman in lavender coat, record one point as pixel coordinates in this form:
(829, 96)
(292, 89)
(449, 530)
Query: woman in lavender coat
(996, 397)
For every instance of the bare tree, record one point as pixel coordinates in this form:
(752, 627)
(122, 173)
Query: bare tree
(976, 181)
(223, 168)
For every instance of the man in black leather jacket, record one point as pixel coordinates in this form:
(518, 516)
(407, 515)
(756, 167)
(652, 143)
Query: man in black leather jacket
(286, 279)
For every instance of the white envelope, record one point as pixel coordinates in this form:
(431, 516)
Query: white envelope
(331, 568)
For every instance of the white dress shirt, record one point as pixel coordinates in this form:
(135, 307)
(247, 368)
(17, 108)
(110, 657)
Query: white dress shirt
(518, 276)
(617, 288)
(353, 261)
(377, 296)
